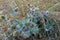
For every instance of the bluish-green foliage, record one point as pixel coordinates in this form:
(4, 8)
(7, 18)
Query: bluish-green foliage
(30, 25)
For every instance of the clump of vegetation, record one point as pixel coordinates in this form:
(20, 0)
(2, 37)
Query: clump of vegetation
(32, 24)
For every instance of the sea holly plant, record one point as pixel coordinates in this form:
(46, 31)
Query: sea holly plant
(32, 24)
(14, 12)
